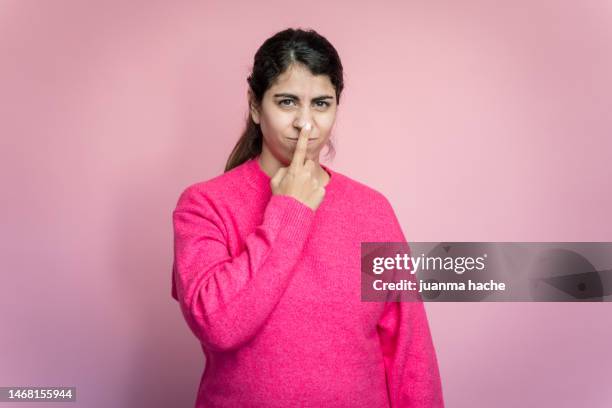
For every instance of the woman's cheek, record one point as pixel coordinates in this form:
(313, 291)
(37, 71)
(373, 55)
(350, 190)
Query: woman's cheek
(272, 130)
(326, 121)
(326, 127)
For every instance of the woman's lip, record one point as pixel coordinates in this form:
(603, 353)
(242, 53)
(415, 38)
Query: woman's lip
(310, 140)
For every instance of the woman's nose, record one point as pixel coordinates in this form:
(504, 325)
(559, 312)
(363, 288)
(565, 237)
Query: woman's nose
(304, 116)
(300, 124)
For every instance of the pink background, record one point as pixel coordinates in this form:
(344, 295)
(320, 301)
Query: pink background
(479, 120)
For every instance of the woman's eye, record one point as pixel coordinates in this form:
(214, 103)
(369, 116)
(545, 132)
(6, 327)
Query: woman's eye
(287, 102)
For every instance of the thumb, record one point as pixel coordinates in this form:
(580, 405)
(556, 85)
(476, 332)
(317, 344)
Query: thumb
(280, 174)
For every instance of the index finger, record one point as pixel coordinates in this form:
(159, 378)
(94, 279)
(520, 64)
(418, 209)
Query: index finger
(300, 149)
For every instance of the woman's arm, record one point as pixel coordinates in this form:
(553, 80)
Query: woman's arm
(410, 361)
(226, 300)
(411, 366)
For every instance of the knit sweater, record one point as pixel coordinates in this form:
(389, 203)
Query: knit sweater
(272, 291)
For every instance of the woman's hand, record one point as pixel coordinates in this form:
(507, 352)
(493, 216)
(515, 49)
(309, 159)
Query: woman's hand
(298, 180)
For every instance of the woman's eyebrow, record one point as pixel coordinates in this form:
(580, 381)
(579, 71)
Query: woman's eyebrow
(291, 96)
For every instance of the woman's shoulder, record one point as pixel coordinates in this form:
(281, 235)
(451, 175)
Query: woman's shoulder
(359, 190)
(226, 186)
(364, 200)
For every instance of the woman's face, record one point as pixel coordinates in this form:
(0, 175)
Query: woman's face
(295, 98)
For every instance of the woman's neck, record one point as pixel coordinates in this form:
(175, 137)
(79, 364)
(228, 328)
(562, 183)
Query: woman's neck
(270, 165)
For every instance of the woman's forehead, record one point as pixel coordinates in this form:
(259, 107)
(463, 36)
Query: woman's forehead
(299, 80)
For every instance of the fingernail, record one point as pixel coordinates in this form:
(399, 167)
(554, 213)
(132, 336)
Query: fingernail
(307, 126)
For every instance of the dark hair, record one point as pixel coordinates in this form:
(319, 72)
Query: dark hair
(275, 55)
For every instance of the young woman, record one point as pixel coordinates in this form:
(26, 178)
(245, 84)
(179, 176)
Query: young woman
(267, 258)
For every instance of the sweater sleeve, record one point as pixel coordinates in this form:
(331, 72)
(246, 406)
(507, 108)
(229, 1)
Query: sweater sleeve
(411, 366)
(226, 300)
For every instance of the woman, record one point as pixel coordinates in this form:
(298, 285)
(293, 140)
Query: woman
(267, 258)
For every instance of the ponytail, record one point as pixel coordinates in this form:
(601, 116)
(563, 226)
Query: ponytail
(248, 146)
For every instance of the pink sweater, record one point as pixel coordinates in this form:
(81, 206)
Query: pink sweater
(272, 290)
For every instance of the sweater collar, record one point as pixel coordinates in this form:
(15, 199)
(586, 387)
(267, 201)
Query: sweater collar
(260, 179)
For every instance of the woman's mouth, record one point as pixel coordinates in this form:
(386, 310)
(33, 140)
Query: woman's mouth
(309, 140)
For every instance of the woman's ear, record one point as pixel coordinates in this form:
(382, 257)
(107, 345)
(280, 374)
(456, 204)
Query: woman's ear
(253, 107)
